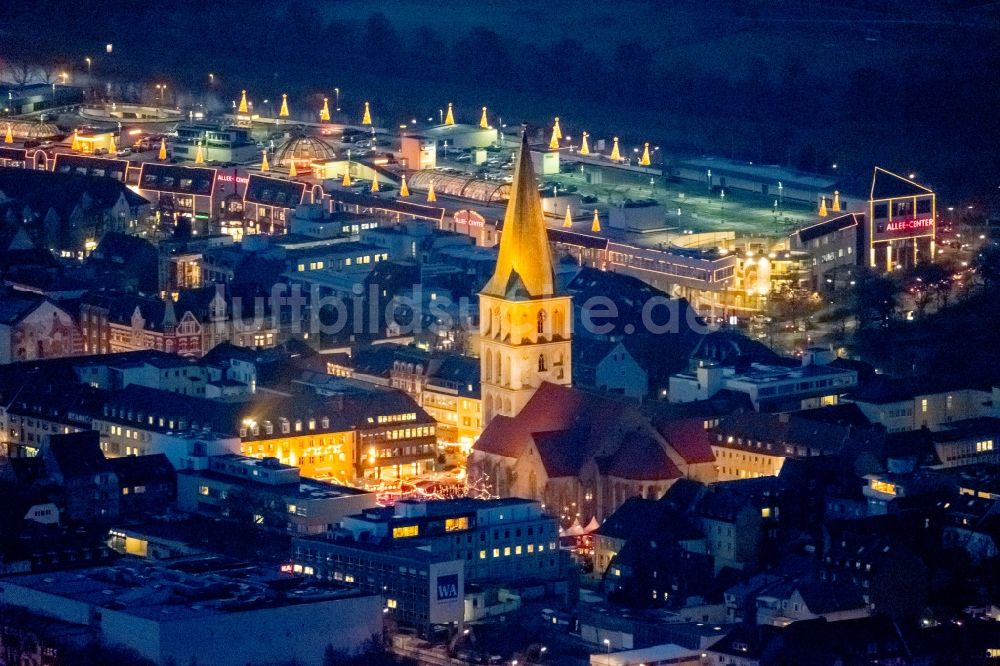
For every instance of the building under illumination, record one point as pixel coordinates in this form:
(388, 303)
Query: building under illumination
(421, 555)
(894, 229)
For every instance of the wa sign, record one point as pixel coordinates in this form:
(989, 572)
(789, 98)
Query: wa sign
(447, 587)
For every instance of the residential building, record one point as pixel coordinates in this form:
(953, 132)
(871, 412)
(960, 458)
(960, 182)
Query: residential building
(68, 213)
(752, 444)
(33, 328)
(602, 365)
(784, 602)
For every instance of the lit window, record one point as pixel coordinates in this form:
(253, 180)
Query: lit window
(203, 490)
(496, 552)
(391, 603)
(482, 554)
(405, 531)
(517, 550)
(456, 524)
(506, 551)
(765, 512)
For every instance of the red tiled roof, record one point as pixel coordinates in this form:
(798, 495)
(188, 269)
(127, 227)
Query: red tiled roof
(642, 459)
(570, 427)
(689, 439)
(552, 408)
(560, 453)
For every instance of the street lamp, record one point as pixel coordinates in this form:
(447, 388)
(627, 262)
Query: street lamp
(88, 61)
(161, 87)
(336, 91)
(607, 645)
(211, 78)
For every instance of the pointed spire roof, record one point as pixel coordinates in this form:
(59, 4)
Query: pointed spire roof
(243, 102)
(889, 185)
(585, 145)
(449, 118)
(615, 153)
(431, 195)
(644, 160)
(568, 222)
(554, 141)
(524, 260)
(199, 156)
(163, 150)
(264, 166)
(367, 118)
(284, 106)
(404, 191)
(375, 184)
(9, 136)
(836, 201)
(324, 113)
(595, 226)
(822, 205)
(483, 122)
(556, 130)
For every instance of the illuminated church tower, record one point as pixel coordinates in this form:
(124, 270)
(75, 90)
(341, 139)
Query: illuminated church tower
(525, 326)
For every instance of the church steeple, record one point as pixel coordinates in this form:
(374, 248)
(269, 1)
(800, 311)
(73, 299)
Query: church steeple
(524, 261)
(525, 327)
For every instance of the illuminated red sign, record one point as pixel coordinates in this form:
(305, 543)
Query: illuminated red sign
(909, 224)
(229, 178)
(469, 218)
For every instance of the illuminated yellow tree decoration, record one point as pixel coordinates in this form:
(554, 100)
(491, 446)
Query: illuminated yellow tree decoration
(822, 206)
(264, 166)
(431, 196)
(615, 154)
(483, 123)
(292, 171)
(556, 130)
(76, 141)
(284, 106)
(404, 191)
(9, 136)
(836, 201)
(585, 146)
(346, 181)
(243, 102)
(199, 156)
(367, 118)
(375, 184)
(449, 118)
(596, 224)
(644, 160)
(324, 113)
(112, 148)
(163, 150)
(554, 141)
(568, 222)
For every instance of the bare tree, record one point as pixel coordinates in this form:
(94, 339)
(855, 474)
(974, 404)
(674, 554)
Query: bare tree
(19, 73)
